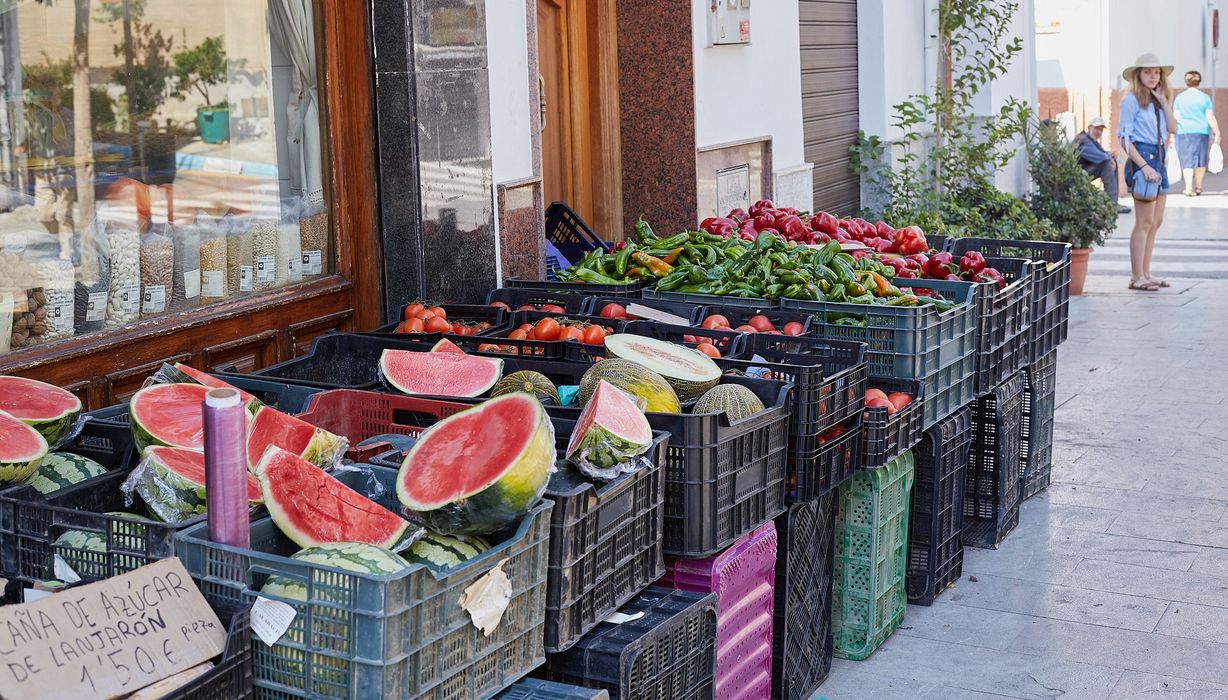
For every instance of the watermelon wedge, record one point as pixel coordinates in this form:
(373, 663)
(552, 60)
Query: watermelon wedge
(439, 373)
(272, 427)
(168, 414)
(611, 432)
(446, 345)
(22, 448)
(481, 469)
(173, 483)
(191, 374)
(313, 508)
(49, 409)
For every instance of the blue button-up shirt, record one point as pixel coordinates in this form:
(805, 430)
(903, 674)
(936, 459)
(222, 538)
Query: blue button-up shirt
(1139, 125)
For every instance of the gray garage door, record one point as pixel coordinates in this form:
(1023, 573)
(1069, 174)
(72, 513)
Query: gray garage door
(829, 100)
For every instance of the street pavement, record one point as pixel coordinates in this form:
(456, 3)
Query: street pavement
(1115, 583)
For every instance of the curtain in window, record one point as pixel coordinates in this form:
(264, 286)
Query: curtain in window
(290, 22)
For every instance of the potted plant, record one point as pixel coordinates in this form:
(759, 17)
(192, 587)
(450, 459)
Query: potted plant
(197, 70)
(1081, 213)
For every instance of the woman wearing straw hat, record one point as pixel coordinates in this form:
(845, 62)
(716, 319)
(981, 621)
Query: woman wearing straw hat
(1145, 122)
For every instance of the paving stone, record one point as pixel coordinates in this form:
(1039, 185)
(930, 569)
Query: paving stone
(1165, 585)
(1059, 602)
(1149, 686)
(1132, 501)
(1195, 622)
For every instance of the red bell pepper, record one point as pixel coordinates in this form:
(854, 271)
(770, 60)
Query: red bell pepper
(824, 223)
(940, 265)
(919, 261)
(884, 230)
(761, 206)
(739, 215)
(910, 240)
(972, 262)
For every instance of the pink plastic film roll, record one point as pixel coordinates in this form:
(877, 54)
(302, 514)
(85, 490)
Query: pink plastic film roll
(226, 468)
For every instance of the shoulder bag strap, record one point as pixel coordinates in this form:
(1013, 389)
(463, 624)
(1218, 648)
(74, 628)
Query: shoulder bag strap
(1161, 135)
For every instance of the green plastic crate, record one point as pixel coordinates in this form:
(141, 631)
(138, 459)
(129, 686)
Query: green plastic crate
(871, 557)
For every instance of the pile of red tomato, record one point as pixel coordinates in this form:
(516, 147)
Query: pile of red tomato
(548, 308)
(895, 401)
(755, 324)
(434, 319)
(551, 329)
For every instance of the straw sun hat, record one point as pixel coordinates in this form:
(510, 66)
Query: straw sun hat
(1147, 60)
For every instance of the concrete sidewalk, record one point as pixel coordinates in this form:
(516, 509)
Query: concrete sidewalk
(1115, 584)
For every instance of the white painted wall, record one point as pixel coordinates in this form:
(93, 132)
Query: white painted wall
(752, 90)
(508, 64)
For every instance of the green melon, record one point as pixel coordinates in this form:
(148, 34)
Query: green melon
(530, 382)
(441, 552)
(633, 378)
(689, 372)
(85, 552)
(734, 400)
(60, 469)
(330, 632)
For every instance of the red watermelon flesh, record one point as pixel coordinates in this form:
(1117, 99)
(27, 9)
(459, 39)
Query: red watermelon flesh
(439, 373)
(272, 427)
(32, 400)
(190, 465)
(22, 448)
(169, 414)
(614, 411)
(446, 345)
(313, 508)
(211, 381)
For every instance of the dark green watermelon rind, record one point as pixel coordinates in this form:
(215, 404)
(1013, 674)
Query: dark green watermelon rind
(57, 431)
(19, 467)
(52, 476)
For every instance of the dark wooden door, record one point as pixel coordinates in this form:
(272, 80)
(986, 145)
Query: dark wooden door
(829, 100)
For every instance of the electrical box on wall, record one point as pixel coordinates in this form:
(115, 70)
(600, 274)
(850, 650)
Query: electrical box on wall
(728, 22)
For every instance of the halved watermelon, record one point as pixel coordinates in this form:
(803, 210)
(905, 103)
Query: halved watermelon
(481, 469)
(611, 432)
(690, 373)
(22, 448)
(439, 373)
(191, 374)
(445, 345)
(168, 414)
(173, 487)
(272, 427)
(49, 409)
(313, 508)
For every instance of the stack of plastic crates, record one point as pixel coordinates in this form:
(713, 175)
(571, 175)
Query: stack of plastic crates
(1036, 439)
(992, 491)
(801, 639)
(538, 689)
(661, 646)
(871, 557)
(743, 579)
(935, 550)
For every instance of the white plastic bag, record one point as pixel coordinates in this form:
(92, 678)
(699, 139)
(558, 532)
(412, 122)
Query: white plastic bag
(1215, 159)
(1173, 163)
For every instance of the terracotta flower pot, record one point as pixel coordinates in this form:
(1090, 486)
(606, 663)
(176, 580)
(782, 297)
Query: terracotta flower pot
(1078, 269)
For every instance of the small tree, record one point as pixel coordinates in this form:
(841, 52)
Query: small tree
(200, 68)
(1081, 214)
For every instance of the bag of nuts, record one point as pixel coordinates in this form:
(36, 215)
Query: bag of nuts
(313, 237)
(157, 271)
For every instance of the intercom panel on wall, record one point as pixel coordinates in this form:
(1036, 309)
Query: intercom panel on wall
(728, 22)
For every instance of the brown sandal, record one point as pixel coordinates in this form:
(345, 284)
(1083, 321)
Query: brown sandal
(1159, 282)
(1145, 285)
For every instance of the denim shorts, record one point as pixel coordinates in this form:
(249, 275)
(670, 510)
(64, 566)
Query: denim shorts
(1150, 153)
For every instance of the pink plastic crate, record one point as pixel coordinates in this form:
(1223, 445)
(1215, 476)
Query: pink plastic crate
(743, 578)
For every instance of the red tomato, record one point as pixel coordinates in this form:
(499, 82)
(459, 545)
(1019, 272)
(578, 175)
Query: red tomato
(412, 310)
(688, 338)
(553, 308)
(571, 333)
(708, 349)
(612, 310)
(518, 334)
(878, 402)
(413, 325)
(747, 329)
(716, 321)
(526, 307)
(501, 305)
(489, 347)
(526, 327)
(761, 323)
(875, 394)
(437, 325)
(438, 311)
(594, 335)
(483, 326)
(794, 328)
(425, 314)
(899, 399)
(546, 329)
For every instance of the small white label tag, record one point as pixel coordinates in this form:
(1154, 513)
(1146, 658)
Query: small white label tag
(96, 307)
(266, 269)
(619, 618)
(292, 264)
(650, 314)
(271, 618)
(154, 301)
(130, 297)
(61, 315)
(63, 571)
(313, 262)
(213, 283)
(191, 284)
(245, 278)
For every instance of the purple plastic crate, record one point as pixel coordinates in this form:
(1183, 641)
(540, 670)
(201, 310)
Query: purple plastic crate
(743, 577)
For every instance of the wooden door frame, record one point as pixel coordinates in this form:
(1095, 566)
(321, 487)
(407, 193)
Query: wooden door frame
(343, 299)
(609, 196)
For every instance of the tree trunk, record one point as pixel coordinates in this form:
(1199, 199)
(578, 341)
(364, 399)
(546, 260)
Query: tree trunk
(83, 128)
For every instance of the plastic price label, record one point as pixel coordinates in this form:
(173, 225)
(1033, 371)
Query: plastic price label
(271, 618)
(96, 307)
(313, 262)
(154, 300)
(61, 315)
(213, 283)
(245, 278)
(130, 297)
(191, 284)
(266, 269)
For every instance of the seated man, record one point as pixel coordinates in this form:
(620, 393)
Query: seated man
(1098, 162)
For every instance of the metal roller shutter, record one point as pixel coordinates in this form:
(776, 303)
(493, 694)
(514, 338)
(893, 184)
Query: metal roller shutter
(829, 100)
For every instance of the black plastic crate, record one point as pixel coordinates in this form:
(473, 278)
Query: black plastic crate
(469, 313)
(740, 315)
(992, 492)
(729, 343)
(802, 613)
(630, 290)
(516, 297)
(519, 318)
(690, 312)
(231, 675)
(887, 436)
(538, 689)
(1050, 272)
(829, 376)
(109, 444)
(287, 397)
(1036, 438)
(668, 653)
(1002, 324)
(935, 548)
(818, 464)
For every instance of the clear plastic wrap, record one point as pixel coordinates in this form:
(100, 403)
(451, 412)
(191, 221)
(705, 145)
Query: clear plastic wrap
(93, 279)
(240, 270)
(214, 258)
(157, 270)
(599, 452)
(124, 297)
(313, 238)
(290, 255)
(185, 293)
(266, 255)
(168, 495)
(51, 272)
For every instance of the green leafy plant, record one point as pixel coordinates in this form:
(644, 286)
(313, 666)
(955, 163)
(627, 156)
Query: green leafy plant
(200, 68)
(151, 69)
(1081, 213)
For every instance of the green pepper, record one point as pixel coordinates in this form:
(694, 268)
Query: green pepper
(672, 242)
(853, 289)
(643, 232)
(850, 321)
(828, 252)
(673, 279)
(594, 277)
(623, 257)
(764, 241)
(773, 291)
(903, 300)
